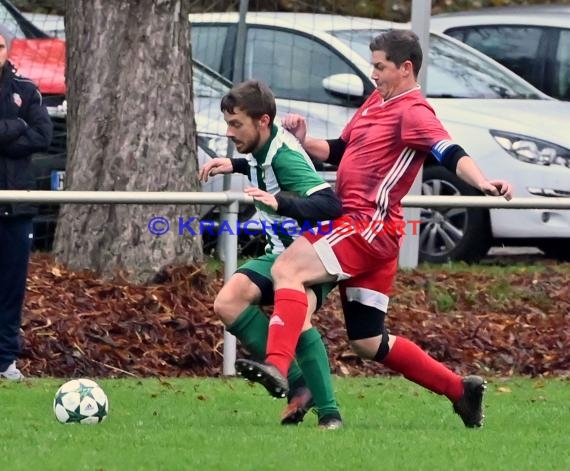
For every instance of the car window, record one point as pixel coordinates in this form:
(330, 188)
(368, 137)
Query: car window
(516, 47)
(208, 43)
(8, 21)
(207, 84)
(562, 65)
(293, 65)
(453, 71)
(357, 40)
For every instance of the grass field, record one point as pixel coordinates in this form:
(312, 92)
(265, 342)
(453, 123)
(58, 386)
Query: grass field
(215, 424)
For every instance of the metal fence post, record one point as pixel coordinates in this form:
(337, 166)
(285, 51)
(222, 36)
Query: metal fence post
(230, 214)
(421, 12)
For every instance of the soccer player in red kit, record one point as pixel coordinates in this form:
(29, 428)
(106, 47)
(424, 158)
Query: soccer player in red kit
(378, 155)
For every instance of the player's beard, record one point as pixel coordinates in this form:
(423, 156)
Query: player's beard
(252, 146)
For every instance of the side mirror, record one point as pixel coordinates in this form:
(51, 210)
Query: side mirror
(344, 84)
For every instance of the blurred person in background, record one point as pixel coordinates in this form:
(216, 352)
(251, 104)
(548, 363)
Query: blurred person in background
(25, 128)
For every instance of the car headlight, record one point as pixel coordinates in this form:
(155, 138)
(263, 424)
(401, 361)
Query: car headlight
(532, 150)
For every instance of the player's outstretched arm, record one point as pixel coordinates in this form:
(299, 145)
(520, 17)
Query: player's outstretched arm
(221, 165)
(455, 159)
(469, 172)
(322, 205)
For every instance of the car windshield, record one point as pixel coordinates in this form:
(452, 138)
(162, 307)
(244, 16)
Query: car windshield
(453, 71)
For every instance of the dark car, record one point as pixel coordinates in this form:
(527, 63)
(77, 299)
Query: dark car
(532, 41)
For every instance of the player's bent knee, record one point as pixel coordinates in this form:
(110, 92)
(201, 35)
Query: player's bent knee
(362, 320)
(282, 269)
(364, 314)
(223, 309)
(374, 348)
(365, 348)
(228, 309)
(234, 297)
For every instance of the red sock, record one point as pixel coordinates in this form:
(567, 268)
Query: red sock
(407, 358)
(285, 327)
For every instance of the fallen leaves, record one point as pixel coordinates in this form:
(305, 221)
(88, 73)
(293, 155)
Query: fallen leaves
(77, 325)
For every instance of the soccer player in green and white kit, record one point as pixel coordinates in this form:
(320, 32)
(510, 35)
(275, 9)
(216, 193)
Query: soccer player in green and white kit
(286, 187)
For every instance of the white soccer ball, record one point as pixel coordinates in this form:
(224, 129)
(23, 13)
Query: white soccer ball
(80, 401)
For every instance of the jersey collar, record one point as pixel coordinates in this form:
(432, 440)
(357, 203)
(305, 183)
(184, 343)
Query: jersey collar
(260, 154)
(411, 90)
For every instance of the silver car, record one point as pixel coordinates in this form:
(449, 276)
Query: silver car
(532, 41)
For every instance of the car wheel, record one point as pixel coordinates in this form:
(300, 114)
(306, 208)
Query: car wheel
(558, 249)
(451, 233)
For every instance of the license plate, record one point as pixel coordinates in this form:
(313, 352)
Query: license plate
(57, 177)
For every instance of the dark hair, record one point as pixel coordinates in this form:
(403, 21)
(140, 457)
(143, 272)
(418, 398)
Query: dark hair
(253, 97)
(400, 46)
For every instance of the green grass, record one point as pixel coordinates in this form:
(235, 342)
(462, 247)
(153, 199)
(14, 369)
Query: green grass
(493, 268)
(214, 424)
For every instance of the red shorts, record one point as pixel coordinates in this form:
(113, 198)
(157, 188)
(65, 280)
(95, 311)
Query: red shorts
(365, 269)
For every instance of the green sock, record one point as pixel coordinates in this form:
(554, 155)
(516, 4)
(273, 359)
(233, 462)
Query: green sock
(314, 362)
(251, 329)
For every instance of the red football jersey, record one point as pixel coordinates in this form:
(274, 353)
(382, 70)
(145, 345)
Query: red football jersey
(387, 143)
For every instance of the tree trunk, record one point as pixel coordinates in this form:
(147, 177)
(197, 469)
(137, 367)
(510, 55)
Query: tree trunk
(130, 128)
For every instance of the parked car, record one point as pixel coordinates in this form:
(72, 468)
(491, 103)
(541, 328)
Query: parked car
(321, 63)
(532, 41)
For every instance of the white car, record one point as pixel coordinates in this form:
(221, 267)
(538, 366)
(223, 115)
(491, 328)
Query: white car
(319, 65)
(532, 41)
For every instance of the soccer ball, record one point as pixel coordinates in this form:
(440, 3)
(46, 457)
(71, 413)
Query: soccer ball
(80, 401)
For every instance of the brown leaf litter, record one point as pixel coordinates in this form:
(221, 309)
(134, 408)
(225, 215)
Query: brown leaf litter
(77, 325)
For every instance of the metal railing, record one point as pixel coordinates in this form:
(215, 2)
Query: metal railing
(231, 201)
(228, 197)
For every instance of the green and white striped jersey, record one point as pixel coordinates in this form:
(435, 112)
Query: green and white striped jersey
(282, 165)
